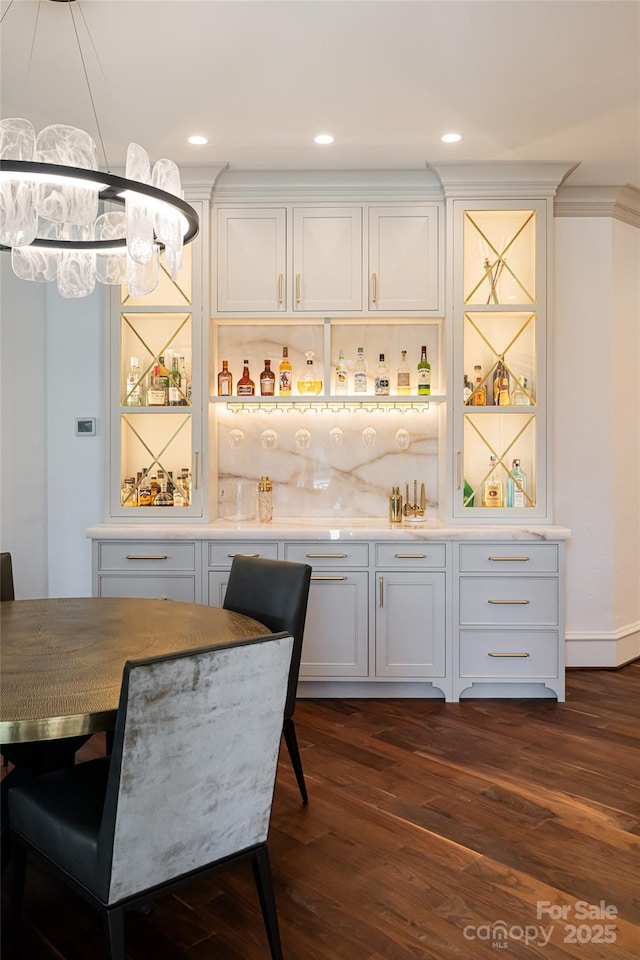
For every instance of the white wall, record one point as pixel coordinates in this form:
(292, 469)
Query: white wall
(596, 449)
(23, 434)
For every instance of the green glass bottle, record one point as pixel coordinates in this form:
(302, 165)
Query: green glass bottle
(424, 375)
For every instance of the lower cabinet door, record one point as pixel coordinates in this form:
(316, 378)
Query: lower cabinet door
(336, 635)
(149, 587)
(410, 625)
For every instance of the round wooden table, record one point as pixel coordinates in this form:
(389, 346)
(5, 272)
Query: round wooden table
(61, 661)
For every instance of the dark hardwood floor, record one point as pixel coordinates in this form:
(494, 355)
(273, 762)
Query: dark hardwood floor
(431, 828)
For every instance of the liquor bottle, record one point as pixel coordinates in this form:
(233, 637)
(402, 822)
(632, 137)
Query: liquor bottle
(285, 374)
(309, 382)
(479, 396)
(185, 479)
(154, 488)
(519, 395)
(128, 493)
(403, 376)
(177, 492)
(163, 380)
(467, 389)
(424, 374)
(174, 383)
(360, 373)
(144, 492)
(162, 497)
(267, 380)
(342, 378)
(245, 386)
(516, 486)
(185, 383)
(382, 378)
(493, 487)
(501, 391)
(133, 395)
(225, 381)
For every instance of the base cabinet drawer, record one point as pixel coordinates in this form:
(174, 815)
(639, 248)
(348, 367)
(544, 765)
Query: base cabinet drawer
(324, 555)
(501, 557)
(506, 601)
(150, 587)
(509, 654)
(139, 555)
(402, 556)
(220, 553)
(336, 633)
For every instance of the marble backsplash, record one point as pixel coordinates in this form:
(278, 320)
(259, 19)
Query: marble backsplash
(329, 463)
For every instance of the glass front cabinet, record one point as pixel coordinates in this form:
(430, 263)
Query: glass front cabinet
(157, 397)
(500, 348)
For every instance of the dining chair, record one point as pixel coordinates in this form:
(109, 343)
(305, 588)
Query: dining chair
(276, 593)
(121, 831)
(7, 591)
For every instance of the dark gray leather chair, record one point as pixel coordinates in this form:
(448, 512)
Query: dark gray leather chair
(276, 593)
(6, 577)
(121, 831)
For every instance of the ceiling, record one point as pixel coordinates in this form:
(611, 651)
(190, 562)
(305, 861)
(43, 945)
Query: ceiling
(526, 80)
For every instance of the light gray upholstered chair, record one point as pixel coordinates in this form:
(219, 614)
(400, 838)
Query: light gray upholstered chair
(122, 830)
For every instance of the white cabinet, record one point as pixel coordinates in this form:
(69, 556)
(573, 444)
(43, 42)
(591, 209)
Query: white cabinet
(404, 258)
(509, 613)
(327, 258)
(251, 265)
(410, 625)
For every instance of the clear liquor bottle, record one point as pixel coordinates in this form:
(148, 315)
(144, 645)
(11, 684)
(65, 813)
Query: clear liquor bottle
(424, 374)
(493, 491)
(360, 373)
(519, 394)
(133, 395)
(403, 376)
(381, 382)
(342, 377)
(225, 381)
(517, 486)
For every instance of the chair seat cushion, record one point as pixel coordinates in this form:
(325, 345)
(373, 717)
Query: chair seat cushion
(60, 813)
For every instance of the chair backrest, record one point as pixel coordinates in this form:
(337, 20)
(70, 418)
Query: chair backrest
(6, 577)
(194, 761)
(276, 593)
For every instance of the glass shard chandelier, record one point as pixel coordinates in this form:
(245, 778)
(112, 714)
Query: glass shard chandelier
(54, 216)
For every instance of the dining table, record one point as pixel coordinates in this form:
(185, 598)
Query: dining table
(61, 660)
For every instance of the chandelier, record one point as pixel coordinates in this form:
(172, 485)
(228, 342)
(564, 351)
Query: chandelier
(57, 217)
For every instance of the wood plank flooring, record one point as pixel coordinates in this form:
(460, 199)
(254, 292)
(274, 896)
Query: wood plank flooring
(431, 828)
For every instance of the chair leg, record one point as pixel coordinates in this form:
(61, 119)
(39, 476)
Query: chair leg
(291, 741)
(264, 884)
(19, 866)
(114, 930)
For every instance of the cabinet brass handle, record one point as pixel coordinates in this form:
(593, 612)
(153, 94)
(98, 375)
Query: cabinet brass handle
(374, 287)
(280, 288)
(459, 469)
(411, 556)
(159, 556)
(517, 559)
(326, 556)
(329, 578)
(243, 555)
(297, 288)
(509, 654)
(381, 588)
(510, 601)
(196, 469)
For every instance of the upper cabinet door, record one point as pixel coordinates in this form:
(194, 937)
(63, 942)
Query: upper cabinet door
(327, 258)
(251, 261)
(403, 258)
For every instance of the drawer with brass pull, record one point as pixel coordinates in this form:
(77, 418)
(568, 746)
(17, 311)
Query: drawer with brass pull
(512, 654)
(146, 556)
(509, 600)
(410, 555)
(509, 557)
(221, 552)
(324, 554)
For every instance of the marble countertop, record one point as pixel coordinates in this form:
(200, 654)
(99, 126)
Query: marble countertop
(292, 528)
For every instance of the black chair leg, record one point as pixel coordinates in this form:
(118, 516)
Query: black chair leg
(291, 741)
(18, 866)
(114, 929)
(264, 883)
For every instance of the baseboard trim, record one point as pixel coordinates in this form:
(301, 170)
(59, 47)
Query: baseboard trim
(604, 649)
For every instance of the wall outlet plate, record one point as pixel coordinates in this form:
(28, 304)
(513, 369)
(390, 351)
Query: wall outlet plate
(86, 427)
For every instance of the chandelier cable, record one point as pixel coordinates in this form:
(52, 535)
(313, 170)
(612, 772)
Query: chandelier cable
(86, 76)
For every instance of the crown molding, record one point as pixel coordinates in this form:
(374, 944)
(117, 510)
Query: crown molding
(327, 186)
(199, 183)
(509, 179)
(618, 203)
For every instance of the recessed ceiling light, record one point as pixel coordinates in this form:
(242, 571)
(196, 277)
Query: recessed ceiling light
(323, 138)
(198, 141)
(451, 138)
